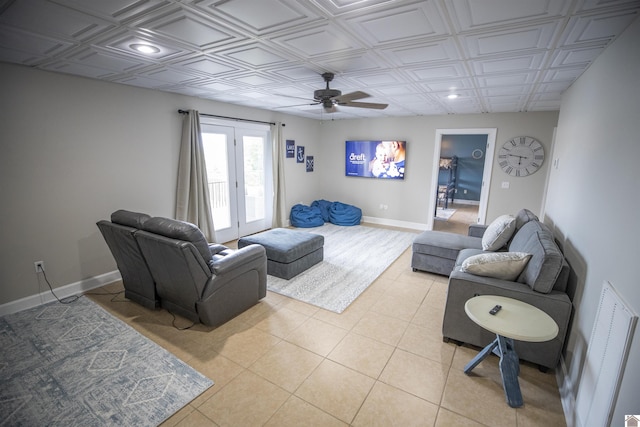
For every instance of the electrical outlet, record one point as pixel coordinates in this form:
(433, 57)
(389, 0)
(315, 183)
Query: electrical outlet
(39, 266)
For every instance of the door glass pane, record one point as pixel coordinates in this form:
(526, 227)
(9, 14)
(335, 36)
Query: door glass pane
(215, 154)
(253, 149)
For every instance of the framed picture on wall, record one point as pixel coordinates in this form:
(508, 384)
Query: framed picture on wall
(299, 154)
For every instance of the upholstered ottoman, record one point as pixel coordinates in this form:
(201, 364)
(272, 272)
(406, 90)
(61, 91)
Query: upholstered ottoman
(289, 252)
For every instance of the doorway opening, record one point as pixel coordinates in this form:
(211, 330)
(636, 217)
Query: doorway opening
(459, 195)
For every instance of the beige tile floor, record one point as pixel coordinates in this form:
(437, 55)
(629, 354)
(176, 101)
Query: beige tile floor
(381, 362)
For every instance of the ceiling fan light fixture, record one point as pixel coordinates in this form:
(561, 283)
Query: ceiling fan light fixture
(453, 96)
(144, 48)
(327, 103)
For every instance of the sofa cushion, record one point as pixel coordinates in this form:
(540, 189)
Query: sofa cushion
(498, 233)
(443, 244)
(500, 265)
(524, 216)
(546, 262)
(466, 253)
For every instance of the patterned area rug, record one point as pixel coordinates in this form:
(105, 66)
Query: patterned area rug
(353, 258)
(77, 365)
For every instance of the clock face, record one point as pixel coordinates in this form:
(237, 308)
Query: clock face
(521, 156)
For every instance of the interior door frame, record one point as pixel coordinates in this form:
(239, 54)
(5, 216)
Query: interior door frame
(491, 134)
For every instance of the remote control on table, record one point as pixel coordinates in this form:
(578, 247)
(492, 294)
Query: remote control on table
(495, 309)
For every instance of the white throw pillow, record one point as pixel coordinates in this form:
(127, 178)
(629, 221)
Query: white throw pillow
(498, 233)
(501, 265)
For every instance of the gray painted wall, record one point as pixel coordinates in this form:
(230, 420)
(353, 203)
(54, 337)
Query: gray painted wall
(408, 200)
(73, 150)
(592, 201)
(76, 149)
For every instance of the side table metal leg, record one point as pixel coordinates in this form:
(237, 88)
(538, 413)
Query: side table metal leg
(480, 356)
(510, 369)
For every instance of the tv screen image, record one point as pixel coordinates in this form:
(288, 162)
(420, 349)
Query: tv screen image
(375, 159)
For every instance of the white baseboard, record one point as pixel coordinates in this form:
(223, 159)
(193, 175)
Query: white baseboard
(567, 398)
(394, 223)
(466, 202)
(62, 292)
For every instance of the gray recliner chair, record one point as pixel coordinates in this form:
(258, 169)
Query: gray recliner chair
(138, 282)
(207, 283)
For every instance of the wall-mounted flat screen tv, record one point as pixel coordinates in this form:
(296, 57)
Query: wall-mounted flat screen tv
(375, 159)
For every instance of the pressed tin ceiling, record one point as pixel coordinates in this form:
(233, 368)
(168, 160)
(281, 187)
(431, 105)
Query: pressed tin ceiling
(496, 55)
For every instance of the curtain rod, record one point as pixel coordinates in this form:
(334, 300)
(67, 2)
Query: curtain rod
(231, 118)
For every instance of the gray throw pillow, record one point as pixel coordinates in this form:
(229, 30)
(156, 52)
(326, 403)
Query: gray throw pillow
(498, 233)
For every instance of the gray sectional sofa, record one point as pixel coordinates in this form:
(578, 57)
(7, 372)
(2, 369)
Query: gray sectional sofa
(542, 282)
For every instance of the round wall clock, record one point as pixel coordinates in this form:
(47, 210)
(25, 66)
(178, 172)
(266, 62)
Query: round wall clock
(521, 156)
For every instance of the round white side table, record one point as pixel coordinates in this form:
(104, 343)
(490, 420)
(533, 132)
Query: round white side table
(515, 320)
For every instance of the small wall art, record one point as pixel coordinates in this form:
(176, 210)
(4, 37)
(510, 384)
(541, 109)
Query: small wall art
(299, 154)
(291, 148)
(309, 163)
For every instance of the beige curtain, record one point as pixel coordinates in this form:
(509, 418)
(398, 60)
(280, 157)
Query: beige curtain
(192, 198)
(279, 195)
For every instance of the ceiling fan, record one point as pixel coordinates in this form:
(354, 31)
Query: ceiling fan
(331, 98)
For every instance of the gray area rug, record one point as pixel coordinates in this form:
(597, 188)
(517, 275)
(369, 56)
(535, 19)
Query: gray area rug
(444, 214)
(77, 365)
(353, 258)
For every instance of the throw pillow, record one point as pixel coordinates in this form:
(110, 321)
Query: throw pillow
(498, 233)
(500, 265)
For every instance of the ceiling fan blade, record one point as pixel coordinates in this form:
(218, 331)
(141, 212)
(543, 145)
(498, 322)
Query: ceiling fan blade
(365, 105)
(297, 105)
(291, 96)
(351, 96)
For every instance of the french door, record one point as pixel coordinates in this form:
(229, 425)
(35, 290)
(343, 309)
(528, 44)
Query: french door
(240, 180)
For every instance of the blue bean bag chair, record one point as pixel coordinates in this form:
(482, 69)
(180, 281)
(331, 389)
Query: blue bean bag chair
(343, 214)
(305, 216)
(324, 206)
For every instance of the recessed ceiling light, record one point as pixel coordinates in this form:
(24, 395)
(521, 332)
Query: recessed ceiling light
(452, 96)
(144, 48)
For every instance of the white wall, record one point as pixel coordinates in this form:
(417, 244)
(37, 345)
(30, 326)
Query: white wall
(76, 149)
(408, 200)
(593, 199)
(73, 150)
